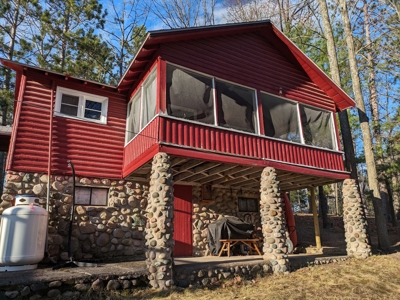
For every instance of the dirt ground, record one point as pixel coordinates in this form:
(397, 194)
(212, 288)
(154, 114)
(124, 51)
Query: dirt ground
(333, 236)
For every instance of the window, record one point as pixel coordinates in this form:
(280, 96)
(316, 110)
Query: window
(149, 99)
(280, 118)
(77, 104)
(189, 95)
(236, 107)
(317, 127)
(248, 204)
(203, 98)
(91, 196)
(142, 107)
(133, 121)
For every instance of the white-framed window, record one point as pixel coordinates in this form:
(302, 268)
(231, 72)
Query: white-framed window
(141, 107)
(91, 196)
(80, 105)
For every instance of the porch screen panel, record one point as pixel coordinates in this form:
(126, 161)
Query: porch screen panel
(133, 125)
(189, 95)
(149, 99)
(317, 127)
(236, 106)
(280, 118)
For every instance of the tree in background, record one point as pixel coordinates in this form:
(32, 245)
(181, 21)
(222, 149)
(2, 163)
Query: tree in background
(14, 18)
(61, 26)
(125, 31)
(184, 13)
(380, 220)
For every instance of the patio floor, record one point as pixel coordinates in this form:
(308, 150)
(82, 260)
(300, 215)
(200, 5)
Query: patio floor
(138, 268)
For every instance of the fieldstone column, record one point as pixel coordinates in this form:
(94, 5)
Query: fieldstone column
(159, 226)
(355, 223)
(273, 221)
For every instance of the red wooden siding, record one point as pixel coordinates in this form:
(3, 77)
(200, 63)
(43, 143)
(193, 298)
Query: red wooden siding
(213, 139)
(248, 59)
(96, 150)
(135, 151)
(182, 220)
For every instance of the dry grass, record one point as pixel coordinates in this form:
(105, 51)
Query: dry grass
(374, 278)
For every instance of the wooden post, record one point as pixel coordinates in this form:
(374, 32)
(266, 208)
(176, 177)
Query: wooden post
(315, 215)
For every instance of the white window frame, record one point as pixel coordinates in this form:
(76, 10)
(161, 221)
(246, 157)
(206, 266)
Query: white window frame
(139, 92)
(81, 105)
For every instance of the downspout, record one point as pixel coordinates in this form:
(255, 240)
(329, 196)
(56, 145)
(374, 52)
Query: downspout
(50, 146)
(49, 169)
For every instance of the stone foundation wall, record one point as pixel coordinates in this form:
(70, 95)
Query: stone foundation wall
(225, 202)
(99, 232)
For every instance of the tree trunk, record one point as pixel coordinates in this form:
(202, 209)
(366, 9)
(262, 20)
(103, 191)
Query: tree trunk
(392, 211)
(323, 206)
(373, 98)
(350, 161)
(383, 237)
(396, 197)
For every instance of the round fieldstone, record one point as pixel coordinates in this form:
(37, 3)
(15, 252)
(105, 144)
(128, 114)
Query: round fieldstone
(53, 293)
(12, 294)
(118, 233)
(113, 285)
(98, 285)
(82, 287)
(102, 239)
(25, 291)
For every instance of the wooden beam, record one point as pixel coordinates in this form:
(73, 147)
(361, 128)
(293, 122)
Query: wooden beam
(209, 179)
(189, 164)
(205, 167)
(315, 217)
(178, 160)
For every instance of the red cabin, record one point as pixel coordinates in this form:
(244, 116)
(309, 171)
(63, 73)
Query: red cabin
(223, 102)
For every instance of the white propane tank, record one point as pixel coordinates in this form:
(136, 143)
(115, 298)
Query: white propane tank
(23, 230)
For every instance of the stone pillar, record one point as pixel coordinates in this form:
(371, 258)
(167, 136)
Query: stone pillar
(273, 221)
(159, 226)
(355, 223)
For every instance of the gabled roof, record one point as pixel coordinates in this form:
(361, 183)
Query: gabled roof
(265, 28)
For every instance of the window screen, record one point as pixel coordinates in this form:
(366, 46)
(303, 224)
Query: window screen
(280, 118)
(317, 127)
(149, 99)
(69, 105)
(92, 110)
(248, 204)
(133, 125)
(236, 106)
(189, 95)
(91, 196)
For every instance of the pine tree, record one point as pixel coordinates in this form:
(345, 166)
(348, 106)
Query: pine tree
(61, 26)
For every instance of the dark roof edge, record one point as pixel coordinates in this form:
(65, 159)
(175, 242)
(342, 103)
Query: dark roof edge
(18, 67)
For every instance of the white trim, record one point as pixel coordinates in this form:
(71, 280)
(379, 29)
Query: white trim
(215, 102)
(257, 127)
(139, 90)
(139, 133)
(300, 124)
(81, 105)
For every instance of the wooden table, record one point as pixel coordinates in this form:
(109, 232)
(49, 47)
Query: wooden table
(227, 244)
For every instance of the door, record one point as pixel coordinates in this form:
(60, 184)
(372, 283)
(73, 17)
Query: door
(183, 220)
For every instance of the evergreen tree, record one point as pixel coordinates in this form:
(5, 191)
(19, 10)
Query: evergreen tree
(63, 25)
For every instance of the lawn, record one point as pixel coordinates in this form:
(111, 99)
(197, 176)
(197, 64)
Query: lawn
(377, 277)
